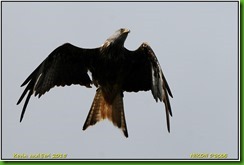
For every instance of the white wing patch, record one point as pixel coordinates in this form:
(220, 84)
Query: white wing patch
(157, 84)
(37, 81)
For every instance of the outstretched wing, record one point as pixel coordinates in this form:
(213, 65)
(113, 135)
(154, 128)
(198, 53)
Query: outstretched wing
(66, 65)
(144, 73)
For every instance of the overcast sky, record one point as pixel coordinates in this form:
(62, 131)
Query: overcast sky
(196, 44)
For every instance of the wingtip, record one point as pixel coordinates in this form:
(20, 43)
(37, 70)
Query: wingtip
(20, 99)
(21, 118)
(22, 85)
(168, 127)
(169, 91)
(22, 115)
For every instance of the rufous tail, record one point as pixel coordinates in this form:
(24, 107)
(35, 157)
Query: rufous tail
(101, 109)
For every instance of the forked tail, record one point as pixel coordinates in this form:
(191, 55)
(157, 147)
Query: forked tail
(102, 109)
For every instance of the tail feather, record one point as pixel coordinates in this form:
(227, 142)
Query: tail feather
(118, 116)
(101, 110)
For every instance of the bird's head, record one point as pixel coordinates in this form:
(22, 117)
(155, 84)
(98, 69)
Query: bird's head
(118, 37)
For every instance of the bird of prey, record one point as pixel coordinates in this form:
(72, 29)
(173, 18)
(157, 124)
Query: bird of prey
(114, 70)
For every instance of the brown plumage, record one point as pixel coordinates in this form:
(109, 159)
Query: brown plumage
(114, 70)
(102, 109)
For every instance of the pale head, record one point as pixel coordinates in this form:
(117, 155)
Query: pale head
(118, 37)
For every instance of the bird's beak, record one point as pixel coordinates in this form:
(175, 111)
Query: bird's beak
(126, 31)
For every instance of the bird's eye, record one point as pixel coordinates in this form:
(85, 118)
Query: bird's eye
(121, 30)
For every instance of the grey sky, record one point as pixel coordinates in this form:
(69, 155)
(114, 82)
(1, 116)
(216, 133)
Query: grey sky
(196, 45)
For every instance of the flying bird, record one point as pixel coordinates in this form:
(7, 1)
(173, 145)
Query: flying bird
(114, 70)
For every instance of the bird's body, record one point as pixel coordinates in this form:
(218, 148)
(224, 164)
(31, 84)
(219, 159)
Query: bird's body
(114, 70)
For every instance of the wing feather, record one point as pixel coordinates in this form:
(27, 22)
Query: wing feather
(144, 73)
(66, 65)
